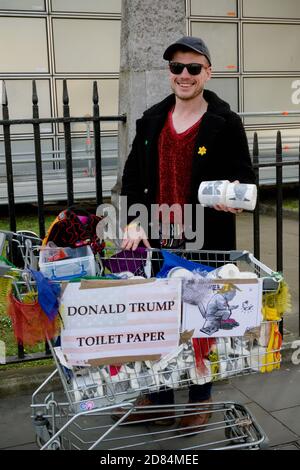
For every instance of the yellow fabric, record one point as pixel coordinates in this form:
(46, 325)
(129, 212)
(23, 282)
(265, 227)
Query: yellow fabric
(271, 359)
(214, 364)
(6, 282)
(270, 314)
(283, 298)
(30, 297)
(275, 304)
(45, 240)
(279, 301)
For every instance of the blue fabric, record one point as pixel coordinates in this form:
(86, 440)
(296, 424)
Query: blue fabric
(48, 293)
(172, 261)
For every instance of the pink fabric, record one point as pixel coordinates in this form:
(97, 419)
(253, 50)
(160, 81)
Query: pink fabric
(83, 219)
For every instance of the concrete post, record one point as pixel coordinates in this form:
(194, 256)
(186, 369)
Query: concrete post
(148, 27)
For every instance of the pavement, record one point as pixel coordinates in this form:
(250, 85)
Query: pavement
(273, 399)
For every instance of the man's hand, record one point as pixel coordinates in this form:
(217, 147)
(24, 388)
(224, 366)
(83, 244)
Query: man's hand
(133, 235)
(222, 207)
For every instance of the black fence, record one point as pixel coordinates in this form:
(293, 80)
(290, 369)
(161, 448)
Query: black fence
(36, 121)
(96, 119)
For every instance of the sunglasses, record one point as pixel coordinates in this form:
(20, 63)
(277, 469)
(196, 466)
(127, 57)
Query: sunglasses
(177, 68)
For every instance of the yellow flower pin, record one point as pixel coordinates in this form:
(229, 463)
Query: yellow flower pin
(202, 151)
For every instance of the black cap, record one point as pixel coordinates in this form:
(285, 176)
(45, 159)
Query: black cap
(189, 42)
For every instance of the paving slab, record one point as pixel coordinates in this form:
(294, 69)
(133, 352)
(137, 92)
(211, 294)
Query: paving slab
(276, 432)
(16, 428)
(30, 446)
(287, 447)
(273, 391)
(226, 392)
(290, 417)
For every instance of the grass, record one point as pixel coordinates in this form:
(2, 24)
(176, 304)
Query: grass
(26, 365)
(292, 204)
(290, 197)
(25, 221)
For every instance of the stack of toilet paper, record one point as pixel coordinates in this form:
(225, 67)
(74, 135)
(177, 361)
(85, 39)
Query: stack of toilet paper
(235, 195)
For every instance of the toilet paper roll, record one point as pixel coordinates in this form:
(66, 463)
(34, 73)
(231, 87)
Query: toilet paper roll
(228, 271)
(180, 273)
(247, 275)
(241, 196)
(211, 193)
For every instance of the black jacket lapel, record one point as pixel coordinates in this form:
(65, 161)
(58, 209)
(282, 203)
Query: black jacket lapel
(206, 142)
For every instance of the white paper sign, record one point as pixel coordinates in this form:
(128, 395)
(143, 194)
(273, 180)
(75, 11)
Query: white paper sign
(126, 320)
(215, 309)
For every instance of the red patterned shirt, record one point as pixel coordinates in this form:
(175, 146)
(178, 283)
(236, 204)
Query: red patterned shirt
(175, 156)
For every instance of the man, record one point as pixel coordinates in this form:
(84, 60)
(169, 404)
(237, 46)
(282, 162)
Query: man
(189, 137)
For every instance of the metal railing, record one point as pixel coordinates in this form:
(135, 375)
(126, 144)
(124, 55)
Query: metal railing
(36, 121)
(277, 163)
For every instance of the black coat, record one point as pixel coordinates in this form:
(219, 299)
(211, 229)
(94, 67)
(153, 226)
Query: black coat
(227, 158)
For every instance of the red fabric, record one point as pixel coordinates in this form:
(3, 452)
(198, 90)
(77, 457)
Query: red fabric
(202, 348)
(30, 324)
(114, 370)
(175, 155)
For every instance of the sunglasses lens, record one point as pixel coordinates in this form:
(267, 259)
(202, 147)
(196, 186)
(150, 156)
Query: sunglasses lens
(177, 68)
(194, 69)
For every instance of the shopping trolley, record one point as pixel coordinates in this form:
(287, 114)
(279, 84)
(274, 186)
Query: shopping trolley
(80, 415)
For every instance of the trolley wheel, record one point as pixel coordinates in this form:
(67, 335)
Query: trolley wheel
(41, 442)
(234, 432)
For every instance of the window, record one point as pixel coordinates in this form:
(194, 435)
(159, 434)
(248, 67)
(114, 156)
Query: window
(27, 51)
(86, 45)
(216, 36)
(87, 6)
(22, 151)
(271, 8)
(227, 89)
(214, 8)
(31, 5)
(275, 48)
(19, 95)
(259, 95)
(81, 103)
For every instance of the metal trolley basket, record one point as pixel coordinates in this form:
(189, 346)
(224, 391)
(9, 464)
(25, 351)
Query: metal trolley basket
(80, 418)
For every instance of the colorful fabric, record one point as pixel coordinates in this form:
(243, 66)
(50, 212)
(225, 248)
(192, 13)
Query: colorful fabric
(202, 348)
(48, 294)
(30, 324)
(127, 260)
(272, 358)
(69, 230)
